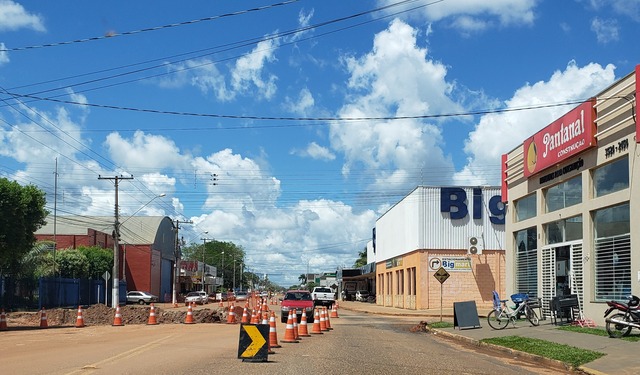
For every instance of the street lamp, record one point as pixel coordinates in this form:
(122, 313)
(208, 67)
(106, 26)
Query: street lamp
(204, 248)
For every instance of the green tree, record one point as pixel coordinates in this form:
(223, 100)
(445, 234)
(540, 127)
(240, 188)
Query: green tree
(72, 263)
(362, 259)
(23, 213)
(100, 260)
(222, 255)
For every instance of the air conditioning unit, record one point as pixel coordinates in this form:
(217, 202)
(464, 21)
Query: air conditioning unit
(475, 245)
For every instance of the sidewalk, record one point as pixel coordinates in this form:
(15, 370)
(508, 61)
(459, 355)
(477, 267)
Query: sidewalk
(621, 356)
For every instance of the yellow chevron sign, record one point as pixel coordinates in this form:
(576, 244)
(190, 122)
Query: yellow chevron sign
(253, 342)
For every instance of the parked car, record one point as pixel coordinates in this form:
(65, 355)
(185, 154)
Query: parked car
(242, 296)
(141, 297)
(196, 297)
(362, 295)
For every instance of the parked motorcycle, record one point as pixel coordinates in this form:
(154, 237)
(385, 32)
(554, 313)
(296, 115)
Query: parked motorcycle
(626, 317)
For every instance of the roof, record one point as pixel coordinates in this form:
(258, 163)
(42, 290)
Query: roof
(134, 230)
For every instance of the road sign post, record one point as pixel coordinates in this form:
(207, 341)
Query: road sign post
(441, 275)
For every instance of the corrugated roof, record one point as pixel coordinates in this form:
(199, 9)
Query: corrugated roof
(134, 230)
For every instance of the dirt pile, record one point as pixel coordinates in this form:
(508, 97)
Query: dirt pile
(104, 315)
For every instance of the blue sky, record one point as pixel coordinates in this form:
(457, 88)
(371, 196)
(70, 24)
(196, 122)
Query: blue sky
(288, 127)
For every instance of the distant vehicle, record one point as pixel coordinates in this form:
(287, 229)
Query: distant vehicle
(196, 297)
(323, 296)
(138, 296)
(362, 295)
(242, 296)
(300, 300)
(264, 294)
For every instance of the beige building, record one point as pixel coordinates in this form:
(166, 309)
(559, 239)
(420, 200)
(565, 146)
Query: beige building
(459, 229)
(572, 191)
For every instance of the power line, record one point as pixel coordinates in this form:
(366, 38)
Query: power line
(111, 35)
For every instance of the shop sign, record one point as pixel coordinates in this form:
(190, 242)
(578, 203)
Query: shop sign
(451, 264)
(453, 200)
(393, 262)
(569, 135)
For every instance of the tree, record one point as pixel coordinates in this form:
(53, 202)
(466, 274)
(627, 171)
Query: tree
(23, 213)
(222, 255)
(72, 263)
(362, 259)
(100, 260)
(303, 278)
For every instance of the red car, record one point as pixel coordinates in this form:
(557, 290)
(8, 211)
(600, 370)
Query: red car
(300, 300)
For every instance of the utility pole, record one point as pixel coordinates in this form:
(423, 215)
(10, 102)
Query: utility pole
(176, 263)
(115, 295)
(204, 249)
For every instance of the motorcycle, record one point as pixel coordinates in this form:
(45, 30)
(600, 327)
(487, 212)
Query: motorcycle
(627, 317)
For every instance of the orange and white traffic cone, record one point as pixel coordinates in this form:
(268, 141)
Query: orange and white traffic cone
(3, 321)
(265, 317)
(43, 319)
(303, 330)
(117, 319)
(323, 321)
(152, 316)
(231, 317)
(315, 329)
(273, 333)
(245, 316)
(189, 318)
(289, 334)
(295, 325)
(326, 318)
(79, 319)
(334, 310)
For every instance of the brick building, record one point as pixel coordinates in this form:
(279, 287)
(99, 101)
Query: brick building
(146, 253)
(460, 229)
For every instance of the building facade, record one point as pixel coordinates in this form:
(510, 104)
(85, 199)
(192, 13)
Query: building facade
(460, 229)
(147, 250)
(571, 190)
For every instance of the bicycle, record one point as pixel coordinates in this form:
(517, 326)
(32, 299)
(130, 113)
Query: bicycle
(502, 314)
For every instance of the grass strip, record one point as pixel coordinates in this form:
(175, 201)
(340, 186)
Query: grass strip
(565, 353)
(441, 325)
(634, 337)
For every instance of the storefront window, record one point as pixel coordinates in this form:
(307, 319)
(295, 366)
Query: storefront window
(611, 177)
(527, 261)
(612, 253)
(563, 195)
(564, 230)
(526, 207)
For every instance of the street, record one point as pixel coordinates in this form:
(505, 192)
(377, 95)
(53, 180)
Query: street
(359, 343)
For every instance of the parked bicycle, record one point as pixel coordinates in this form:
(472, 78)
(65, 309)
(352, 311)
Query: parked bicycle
(502, 314)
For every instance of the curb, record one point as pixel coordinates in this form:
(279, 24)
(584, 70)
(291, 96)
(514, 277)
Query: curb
(532, 357)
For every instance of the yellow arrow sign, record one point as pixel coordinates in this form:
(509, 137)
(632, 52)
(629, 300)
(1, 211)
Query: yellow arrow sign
(257, 341)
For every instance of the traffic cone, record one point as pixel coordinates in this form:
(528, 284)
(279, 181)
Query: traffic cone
(326, 318)
(295, 325)
(43, 319)
(273, 333)
(323, 321)
(265, 317)
(289, 334)
(189, 318)
(3, 321)
(152, 316)
(245, 316)
(231, 317)
(315, 329)
(79, 319)
(117, 320)
(334, 310)
(303, 330)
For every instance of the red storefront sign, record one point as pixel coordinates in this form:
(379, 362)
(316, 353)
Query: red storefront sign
(569, 135)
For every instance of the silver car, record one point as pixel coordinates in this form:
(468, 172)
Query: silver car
(138, 296)
(196, 297)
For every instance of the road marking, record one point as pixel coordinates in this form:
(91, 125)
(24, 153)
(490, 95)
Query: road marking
(129, 353)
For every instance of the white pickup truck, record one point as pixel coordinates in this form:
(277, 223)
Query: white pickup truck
(322, 296)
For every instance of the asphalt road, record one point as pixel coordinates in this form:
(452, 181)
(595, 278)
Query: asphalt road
(359, 344)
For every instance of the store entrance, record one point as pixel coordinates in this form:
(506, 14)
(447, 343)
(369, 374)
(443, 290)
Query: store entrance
(563, 268)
